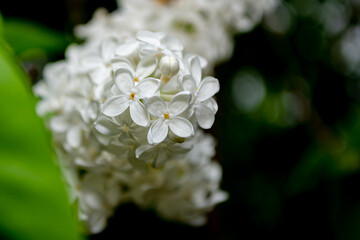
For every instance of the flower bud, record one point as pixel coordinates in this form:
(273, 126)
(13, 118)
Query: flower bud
(169, 66)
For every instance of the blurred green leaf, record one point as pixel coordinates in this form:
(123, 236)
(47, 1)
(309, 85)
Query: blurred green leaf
(24, 36)
(1, 24)
(316, 166)
(33, 202)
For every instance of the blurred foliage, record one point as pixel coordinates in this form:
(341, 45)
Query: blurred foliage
(291, 161)
(32, 40)
(33, 202)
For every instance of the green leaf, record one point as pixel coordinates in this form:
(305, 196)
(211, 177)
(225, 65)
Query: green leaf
(27, 36)
(33, 199)
(1, 24)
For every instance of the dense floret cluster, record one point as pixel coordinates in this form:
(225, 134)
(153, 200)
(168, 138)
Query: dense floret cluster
(127, 115)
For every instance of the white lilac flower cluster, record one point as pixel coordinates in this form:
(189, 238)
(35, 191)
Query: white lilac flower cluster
(205, 27)
(126, 116)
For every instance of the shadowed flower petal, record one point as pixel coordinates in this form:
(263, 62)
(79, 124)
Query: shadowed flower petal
(146, 66)
(106, 126)
(139, 114)
(159, 131)
(205, 116)
(179, 103)
(115, 105)
(73, 137)
(148, 87)
(156, 106)
(124, 80)
(149, 37)
(127, 49)
(208, 88)
(189, 84)
(172, 43)
(195, 69)
(181, 127)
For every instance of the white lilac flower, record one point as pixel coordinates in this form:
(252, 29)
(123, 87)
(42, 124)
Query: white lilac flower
(203, 90)
(129, 95)
(122, 113)
(169, 117)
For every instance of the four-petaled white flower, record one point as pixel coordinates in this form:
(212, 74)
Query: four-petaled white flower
(129, 95)
(203, 91)
(145, 67)
(168, 117)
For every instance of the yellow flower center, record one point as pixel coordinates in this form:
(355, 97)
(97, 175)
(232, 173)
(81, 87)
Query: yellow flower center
(132, 95)
(136, 79)
(166, 116)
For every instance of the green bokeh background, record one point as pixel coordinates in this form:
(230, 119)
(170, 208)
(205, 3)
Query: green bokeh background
(290, 150)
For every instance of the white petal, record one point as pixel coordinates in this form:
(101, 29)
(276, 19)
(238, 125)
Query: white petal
(92, 111)
(205, 116)
(149, 137)
(112, 197)
(115, 91)
(189, 57)
(181, 127)
(196, 70)
(115, 105)
(91, 61)
(148, 87)
(121, 62)
(59, 124)
(100, 74)
(73, 137)
(172, 43)
(127, 49)
(41, 89)
(108, 48)
(139, 114)
(159, 131)
(218, 197)
(148, 49)
(146, 66)
(124, 80)
(212, 104)
(148, 37)
(106, 126)
(170, 88)
(144, 149)
(180, 103)
(189, 84)
(179, 148)
(96, 221)
(156, 106)
(208, 88)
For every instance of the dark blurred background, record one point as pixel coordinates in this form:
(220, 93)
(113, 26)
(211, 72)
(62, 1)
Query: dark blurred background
(288, 126)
